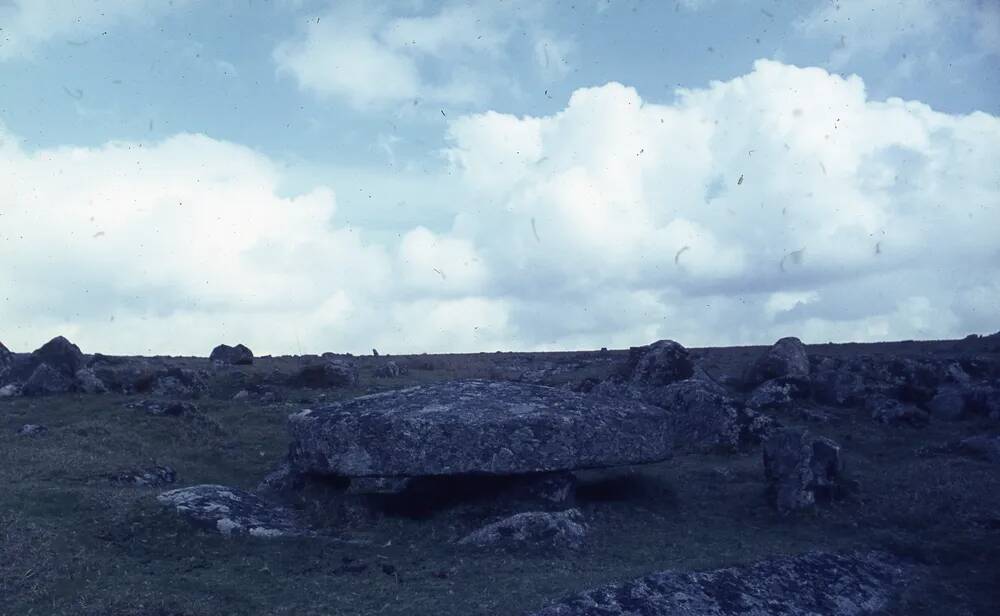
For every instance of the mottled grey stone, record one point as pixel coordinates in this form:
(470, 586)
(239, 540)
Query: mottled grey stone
(238, 355)
(948, 403)
(475, 426)
(389, 369)
(45, 380)
(60, 354)
(231, 512)
(532, 529)
(331, 373)
(811, 584)
(786, 358)
(32, 430)
(11, 390)
(801, 469)
(889, 411)
(88, 382)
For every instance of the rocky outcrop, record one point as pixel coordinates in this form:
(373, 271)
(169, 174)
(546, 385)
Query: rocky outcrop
(32, 430)
(46, 380)
(327, 374)
(786, 358)
(60, 354)
(474, 426)
(832, 584)
(660, 363)
(231, 512)
(802, 470)
(532, 530)
(238, 355)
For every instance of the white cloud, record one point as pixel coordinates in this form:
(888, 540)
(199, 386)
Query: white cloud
(361, 53)
(26, 24)
(784, 184)
(614, 221)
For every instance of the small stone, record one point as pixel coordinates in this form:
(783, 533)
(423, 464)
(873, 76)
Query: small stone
(11, 390)
(983, 446)
(46, 380)
(60, 354)
(326, 374)
(152, 476)
(241, 395)
(532, 529)
(32, 430)
(786, 358)
(88, 382)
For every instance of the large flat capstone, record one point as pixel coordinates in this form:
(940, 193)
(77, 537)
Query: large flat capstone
(476, 427)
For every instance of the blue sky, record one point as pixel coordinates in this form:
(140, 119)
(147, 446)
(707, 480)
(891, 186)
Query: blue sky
(434, 142)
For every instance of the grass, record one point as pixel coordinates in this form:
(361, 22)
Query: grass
(71, 542)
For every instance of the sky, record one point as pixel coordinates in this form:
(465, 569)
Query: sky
(307, 176)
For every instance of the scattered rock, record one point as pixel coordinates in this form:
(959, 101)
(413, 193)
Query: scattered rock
(838, 387)
(172, 408)
(475, 426)
(802, 470)
(88, 382)
(703, 418)
(786, 358)
(771, 395)
(11, 390)
(325, 374)
(390, 369)
(32, 430)
(241, 395)
(45, 380)
(982, 446)
(533, 529)
(178, 383)
(660, 363)
(60, 354)
(231, 512)
(238, 355)
(152, 476)
(889, 411)
(947, 404)
(832, 584)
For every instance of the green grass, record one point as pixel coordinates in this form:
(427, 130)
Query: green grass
(73, 543)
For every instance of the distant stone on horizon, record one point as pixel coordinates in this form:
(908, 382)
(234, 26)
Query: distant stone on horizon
(238, 355)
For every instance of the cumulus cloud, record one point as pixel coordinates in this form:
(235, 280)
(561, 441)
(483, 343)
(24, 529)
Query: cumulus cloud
(782, 201)
(361, 53)
(26, 24)
(173, 246)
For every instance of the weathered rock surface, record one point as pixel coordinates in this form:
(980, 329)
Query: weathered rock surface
(238, 355)
(231, 512)
(332, 373)
(475, 426)
(389, 369)
(786, 358)
(802, 470)
(60, 354)
(704, 418)
(88, 382)
(532, 529)
(46, 380)
(660, 363)
(831, 584)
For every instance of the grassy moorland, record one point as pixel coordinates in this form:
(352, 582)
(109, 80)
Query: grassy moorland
(73, 542)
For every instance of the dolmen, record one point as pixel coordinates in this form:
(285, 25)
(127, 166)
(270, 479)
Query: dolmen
(505, 441)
